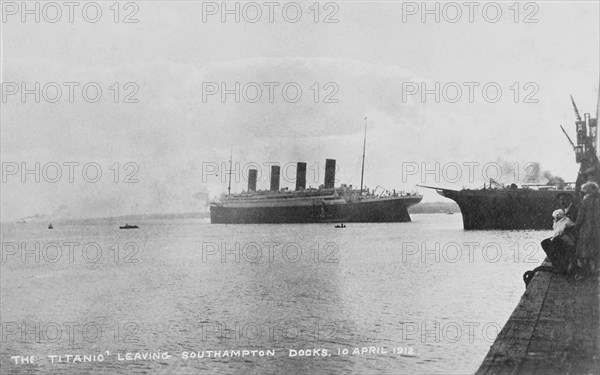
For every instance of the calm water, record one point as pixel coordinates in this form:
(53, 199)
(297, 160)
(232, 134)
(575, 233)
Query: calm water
(175, 287)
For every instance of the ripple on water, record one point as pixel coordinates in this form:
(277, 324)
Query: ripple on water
(373, 295)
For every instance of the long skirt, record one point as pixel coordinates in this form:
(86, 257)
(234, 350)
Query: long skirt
(559, 253)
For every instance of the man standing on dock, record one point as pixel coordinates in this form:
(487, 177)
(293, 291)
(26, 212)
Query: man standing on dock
(588, 223)
(565, 200)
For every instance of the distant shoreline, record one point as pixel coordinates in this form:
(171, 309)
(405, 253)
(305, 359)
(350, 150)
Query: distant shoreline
(421, 208)
(123, 218)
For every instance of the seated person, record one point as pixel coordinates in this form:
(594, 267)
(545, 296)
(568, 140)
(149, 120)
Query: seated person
(560, 248)
(563, 226)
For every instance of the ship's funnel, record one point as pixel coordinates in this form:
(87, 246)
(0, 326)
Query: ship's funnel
(300, 176)
(329, 173)
(274, 178)
(252, 180)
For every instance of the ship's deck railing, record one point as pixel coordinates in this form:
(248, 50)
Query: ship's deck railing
(554, 187)
(326, 194)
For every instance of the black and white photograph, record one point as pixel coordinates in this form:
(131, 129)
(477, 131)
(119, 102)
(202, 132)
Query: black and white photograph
(300, 187)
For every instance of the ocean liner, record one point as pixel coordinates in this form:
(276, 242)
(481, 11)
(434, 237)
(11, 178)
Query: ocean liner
(327, 204)
(529, 207)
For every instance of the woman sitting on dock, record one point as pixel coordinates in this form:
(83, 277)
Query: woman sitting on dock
(588, 224)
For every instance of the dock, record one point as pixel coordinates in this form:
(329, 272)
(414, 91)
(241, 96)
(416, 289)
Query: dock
(555, 329)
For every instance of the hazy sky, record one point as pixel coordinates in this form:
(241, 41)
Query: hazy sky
(363, 65)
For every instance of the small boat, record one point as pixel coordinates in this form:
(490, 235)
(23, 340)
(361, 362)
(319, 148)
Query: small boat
(449, 213)
(340, 226)
(127, 226)
(50, 226)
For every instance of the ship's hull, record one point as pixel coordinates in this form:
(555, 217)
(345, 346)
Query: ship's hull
(502, 209)
(392, 209)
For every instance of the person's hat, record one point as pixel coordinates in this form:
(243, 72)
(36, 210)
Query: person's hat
(558, 214)
(589, 187)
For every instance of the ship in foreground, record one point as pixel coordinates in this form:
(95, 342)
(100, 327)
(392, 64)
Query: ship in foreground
(327, 204)
(529, 207)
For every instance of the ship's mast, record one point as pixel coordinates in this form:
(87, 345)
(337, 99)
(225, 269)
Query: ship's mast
(230, 159)
(362, 171)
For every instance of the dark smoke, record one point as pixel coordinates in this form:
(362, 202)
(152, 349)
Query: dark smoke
(553, 180)
(529, 173)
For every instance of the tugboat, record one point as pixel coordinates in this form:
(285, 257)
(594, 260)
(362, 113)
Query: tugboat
(341, 225)
(127, 226)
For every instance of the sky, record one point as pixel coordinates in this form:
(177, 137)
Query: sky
(158, 134)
